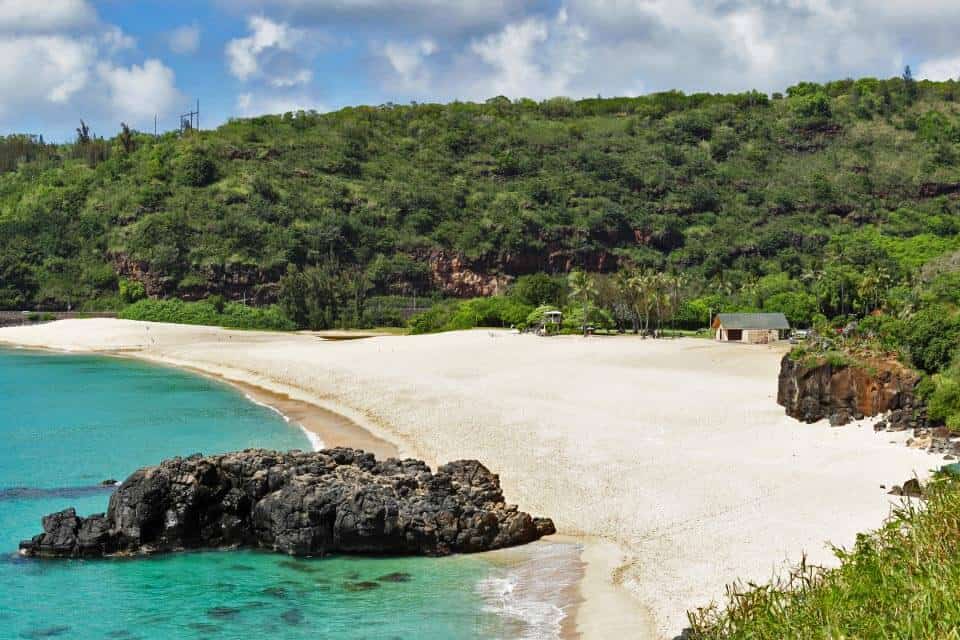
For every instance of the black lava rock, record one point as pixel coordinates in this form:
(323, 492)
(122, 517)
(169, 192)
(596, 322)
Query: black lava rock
(302, 504)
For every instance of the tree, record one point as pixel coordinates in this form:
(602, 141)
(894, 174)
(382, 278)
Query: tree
(582, 290)
(932, 336)
(538, 289)
(83, 134)
(872, 286)
(813, 278)
(645, 288)
(909, 84)
(798, 306)
(311, 298)
(127, 142)
(676, 284)
(660, 290)
(630, 296)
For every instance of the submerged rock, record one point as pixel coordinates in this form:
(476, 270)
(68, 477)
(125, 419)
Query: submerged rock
(302, 504)
(365, 585)
(292, 616)
(396, 576)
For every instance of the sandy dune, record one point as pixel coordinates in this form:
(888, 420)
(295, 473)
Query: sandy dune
(674, 450)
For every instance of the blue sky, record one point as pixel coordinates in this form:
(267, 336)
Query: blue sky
(108, 61)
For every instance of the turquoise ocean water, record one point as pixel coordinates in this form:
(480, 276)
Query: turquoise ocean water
(69, 422)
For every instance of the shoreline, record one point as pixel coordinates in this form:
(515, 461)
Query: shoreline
(592, 564)
(628, 445)
(329, 429)
(588, 617)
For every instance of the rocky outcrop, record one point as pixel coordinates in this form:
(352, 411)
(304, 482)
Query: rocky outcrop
(843, 393)
(452, 275)
(303, 504)
(233, 281)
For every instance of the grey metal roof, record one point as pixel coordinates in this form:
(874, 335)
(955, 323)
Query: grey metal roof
(753, 320)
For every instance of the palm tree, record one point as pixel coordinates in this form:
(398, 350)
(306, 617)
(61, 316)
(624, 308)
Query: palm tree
(659, 288)
(643, 287)
(676, 282)
(872, 286)
(751, 290)
(630, 295)
(814, 276)
(583, 289)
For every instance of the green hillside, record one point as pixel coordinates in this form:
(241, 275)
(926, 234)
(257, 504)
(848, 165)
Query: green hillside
(820, 200)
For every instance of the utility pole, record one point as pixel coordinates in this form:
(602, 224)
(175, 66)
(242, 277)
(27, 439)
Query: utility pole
(190, 121)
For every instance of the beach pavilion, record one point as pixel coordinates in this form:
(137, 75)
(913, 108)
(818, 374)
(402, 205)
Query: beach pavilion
(751, 328)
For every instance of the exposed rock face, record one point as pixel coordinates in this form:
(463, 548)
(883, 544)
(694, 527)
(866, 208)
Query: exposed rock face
(452, 275)
(234, 282)
(845, 393)
(331, 501)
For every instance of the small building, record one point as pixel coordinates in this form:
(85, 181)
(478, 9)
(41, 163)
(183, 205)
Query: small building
(751, 328)
(550, 323)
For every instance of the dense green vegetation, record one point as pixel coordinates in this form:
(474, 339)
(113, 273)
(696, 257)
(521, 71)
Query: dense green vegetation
(898, 582)
(824, 200)
(214, 312)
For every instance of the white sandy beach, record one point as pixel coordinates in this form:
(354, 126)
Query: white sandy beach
(673, 453)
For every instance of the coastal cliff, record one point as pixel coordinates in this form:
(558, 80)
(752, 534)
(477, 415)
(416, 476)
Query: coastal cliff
(844, 392)
(304, 504)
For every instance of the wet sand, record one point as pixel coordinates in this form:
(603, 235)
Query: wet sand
(333, 429)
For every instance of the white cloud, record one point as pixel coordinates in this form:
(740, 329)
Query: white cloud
(114, 39)
(250, 104)
(536, 58)
(301, 77)
(61, 63)
(407, 60)
(939, 69)
(42, 69)
(38, 16)
(513, 54)
(443, 16)
(620, 47)
(138, 92)
(185, 39)
(245, 55)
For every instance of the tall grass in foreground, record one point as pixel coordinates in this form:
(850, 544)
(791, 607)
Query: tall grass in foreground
(900, 582)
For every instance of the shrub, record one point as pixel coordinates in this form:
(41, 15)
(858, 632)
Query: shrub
(433, 319)
(131, 290)
(573, 318)
(932, 336)
(233, 316)
(217, 301)
(497, 311)
(837, 359)
(944, 403)
(195, 169)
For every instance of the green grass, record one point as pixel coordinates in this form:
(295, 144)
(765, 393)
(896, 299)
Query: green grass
(901, 581)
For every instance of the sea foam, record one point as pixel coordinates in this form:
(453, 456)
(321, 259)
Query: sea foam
(316, 442)
(532, 595)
